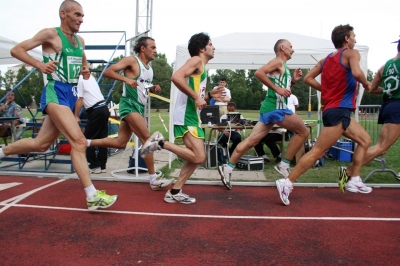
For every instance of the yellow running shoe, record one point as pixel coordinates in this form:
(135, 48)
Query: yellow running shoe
(343, 178)
(101, 200)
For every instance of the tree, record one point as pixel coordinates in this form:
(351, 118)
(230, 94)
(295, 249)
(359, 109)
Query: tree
(162, 77)
(371, 99)
(8, 80)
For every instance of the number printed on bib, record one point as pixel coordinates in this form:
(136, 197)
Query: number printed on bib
(74, 68)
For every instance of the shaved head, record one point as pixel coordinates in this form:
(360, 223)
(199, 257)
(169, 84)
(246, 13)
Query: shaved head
(278, 44)
(66, 6)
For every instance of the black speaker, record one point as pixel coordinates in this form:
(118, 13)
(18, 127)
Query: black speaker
(212, 158)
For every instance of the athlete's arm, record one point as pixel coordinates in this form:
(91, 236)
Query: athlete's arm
(375, 89)
(312, 74)
(272, 67)
(125, 63)
(193, 66)
(354, 62)
(20, 51)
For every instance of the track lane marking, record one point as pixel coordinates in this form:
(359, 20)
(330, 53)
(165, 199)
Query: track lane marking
(5, 186)
(18, 198)
(211, 216)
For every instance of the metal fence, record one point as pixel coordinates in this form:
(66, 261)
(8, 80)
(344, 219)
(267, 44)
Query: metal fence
(367, 117)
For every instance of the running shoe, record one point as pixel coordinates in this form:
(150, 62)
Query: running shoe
(359, 186)
(343, 178)
(95, 170)
(101, 200)
(161, 183)
(225, 176)
(266, 159)
(282, 170)
(151, 144)
(178, 198)
(283, 190)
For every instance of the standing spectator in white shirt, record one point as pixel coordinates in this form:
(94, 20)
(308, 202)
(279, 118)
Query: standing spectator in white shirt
(292, 104)
(90, 96)
(222, 102)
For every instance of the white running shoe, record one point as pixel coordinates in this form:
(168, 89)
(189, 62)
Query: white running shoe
(355, 187)
(282, 170)
(178, 198)
(151, 144)
(225, 176)
(95, 171)
(283, 190)
(161, 183)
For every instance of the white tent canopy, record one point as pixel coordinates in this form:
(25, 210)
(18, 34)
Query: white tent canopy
(5, 57)
(253, 50)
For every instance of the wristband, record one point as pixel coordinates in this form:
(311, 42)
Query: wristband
(209, 95)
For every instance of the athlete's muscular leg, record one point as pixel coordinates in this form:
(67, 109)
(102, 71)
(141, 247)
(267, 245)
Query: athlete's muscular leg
(387, 137)
(194, 151)
(358, 134)
(138, 126)
(124, 134)
(257, 134)
(63, 118)
(326, 139)
(47, 135)
(294, 123)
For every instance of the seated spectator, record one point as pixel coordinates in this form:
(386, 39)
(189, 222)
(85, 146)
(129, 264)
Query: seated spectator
(270, 141)
(232, 135)
(10, 109)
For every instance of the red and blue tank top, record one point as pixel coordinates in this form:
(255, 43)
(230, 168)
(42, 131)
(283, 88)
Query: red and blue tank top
(338, 86)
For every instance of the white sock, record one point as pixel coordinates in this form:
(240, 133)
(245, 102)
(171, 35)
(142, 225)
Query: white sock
(230, 169)
(2, 153)
(90, 192)
(88, 142)
(356, 178)
(153, 178)
(284, 165)
(288, 182)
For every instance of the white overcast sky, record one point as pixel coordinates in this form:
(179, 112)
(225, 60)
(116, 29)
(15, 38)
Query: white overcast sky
(376, 23)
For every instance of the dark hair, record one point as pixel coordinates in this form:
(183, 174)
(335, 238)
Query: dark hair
(278, 45)
(232, 104)
(197, 42)
(339, 33)
(222, 79)
(142, 41)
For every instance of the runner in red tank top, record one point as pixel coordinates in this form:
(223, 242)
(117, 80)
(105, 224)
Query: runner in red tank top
(340, 72)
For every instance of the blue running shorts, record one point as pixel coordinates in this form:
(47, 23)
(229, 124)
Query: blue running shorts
(334, 116)
(274, 116)
(390, 112)
(59, 93)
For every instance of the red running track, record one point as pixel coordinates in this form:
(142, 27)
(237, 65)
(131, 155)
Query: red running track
(244, 226)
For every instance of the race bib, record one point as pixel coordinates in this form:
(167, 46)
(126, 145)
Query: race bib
(74, 65)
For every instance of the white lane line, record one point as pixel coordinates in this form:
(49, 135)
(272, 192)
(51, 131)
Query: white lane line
(213, 216)
(18, 198)
(8, 185)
